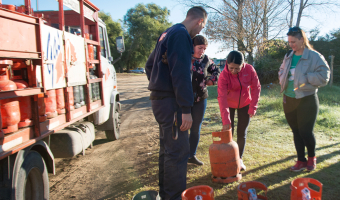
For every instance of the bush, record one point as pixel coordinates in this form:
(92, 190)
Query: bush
(269, 59)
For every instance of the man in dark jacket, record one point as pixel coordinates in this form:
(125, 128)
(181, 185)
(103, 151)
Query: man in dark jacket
(168, 71)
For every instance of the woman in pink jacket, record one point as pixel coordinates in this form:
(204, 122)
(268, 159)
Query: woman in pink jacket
(238, 89)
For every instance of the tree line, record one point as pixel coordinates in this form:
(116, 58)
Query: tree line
(141, 28)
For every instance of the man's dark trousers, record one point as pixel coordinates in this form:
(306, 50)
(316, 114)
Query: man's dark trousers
(173, 154)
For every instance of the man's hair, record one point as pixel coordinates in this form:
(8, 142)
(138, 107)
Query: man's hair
(199, 40)
(197, 12)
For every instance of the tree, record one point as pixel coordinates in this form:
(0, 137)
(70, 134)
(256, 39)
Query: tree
(315, 6)
(329, 45)
(144, 24)
(248, 23)
(114, 29)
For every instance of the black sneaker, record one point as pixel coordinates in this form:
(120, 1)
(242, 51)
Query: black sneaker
(195, 161)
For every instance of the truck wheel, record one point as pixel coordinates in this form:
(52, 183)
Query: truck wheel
(32, 179)
(114, 134)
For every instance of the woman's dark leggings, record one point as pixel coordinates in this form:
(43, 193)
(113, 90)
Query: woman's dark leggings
(301, 116)
(242, 126)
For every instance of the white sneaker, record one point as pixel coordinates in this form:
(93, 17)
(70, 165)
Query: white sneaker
(243, 167)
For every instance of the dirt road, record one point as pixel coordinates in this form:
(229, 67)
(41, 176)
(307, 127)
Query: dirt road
(109, 170)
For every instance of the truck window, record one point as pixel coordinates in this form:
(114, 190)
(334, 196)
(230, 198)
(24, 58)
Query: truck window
(102, 42)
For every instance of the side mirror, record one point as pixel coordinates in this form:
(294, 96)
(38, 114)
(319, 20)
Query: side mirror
(120, 44)
(110, 59)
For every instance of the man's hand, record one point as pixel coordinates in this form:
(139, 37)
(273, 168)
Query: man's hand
(226, 127)
(186, 122)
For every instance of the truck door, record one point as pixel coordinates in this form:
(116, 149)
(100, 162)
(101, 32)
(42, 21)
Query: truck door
(108, 74)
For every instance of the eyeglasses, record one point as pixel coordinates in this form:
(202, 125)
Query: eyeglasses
(294, 30)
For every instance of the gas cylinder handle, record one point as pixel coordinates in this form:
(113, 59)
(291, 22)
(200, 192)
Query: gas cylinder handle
(217, 135)
(225, 136)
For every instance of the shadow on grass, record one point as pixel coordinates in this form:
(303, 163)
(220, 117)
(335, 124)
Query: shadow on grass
(328, 176)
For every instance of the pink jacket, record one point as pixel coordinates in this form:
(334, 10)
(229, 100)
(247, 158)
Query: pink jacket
(238, 91)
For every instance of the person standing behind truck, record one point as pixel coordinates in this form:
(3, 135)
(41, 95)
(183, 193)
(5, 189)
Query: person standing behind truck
(168, 71)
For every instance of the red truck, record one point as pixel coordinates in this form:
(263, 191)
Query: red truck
(57, 84)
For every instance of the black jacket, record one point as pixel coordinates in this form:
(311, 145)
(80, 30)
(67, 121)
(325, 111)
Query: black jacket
(168, 67)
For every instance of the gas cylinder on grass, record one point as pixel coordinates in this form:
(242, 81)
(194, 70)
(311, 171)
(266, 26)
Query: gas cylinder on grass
(60, 101)
(10, 111)
(51, 104)
(224, 158)
(243, 190)
(299, 187)
(201, 192)
(25, 105)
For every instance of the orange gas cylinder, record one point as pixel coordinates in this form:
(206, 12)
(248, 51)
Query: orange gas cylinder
(9, 7)
(25, 106)
(42, 107)
(91, 51)
(60, 101)
(18, 64)
(70, 97)
(299, 186)
(21, 9)
(51, 104)
(10, 111)
(90, 48)
(224, 158)
(243, 193)
(202, 192)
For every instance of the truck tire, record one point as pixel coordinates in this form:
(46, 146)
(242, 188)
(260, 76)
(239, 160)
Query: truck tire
(32, 178)
(114, 134)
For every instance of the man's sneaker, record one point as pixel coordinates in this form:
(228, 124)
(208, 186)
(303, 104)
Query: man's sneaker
(299, 166)
(195, 161)
(311, 163)
(243, 167)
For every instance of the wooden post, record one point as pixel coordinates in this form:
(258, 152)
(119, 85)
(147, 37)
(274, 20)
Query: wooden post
(332, 63)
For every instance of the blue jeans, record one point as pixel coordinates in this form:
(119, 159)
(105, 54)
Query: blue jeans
(173, 154)
(197, 113)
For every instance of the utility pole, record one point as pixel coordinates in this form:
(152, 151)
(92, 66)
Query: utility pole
(332, 63)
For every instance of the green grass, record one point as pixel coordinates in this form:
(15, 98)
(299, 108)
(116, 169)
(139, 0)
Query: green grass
(269, 149)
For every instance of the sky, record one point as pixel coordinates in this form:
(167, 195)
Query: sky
(118, 8)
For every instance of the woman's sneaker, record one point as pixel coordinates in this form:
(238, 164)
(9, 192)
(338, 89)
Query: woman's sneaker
(195, 161)
(311, 163)
(243, 167)
(299, 166)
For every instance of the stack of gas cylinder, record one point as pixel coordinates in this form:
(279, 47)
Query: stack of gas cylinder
(20, 9)
(17, 112)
